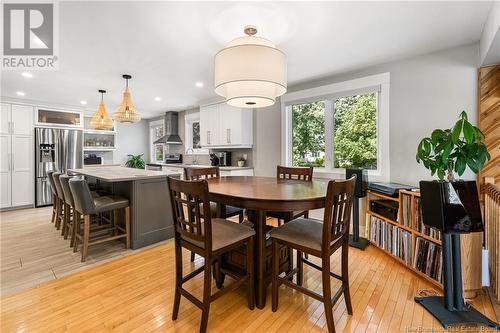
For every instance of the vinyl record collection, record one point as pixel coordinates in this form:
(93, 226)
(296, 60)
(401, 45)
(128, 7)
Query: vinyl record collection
(428, 259)
(391, 238)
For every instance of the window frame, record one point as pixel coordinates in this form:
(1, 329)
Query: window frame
(152, 151)
(379, 83)
(189, 119)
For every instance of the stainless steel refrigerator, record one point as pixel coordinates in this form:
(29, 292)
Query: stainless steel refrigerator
(55, 150)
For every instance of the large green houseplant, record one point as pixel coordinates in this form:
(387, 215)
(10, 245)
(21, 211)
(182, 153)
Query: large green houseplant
(136, 161)
(453, 150)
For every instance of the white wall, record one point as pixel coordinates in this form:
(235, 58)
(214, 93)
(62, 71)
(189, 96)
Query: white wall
(489, 46)
(427, 92)
(131, 139)
(267, 140)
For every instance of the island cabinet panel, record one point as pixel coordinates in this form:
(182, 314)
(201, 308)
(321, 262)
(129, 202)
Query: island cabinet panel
(150, 210)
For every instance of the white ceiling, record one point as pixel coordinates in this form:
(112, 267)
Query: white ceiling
(168, 46)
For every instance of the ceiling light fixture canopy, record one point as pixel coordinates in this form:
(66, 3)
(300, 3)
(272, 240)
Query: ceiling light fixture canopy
(101, 119)
(126, 112)
(250, 72)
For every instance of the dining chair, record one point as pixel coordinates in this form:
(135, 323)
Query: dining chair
(196, 230)
(320, 240)
(291, 173)
(207, 173)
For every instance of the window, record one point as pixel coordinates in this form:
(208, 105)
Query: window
(192, 137)
(355, 132)
(308, 130)
(343, 125)
(158, 150)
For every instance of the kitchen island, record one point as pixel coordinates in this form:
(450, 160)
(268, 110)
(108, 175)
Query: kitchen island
(151, 218)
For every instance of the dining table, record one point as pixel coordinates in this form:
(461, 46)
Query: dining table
(260, 195)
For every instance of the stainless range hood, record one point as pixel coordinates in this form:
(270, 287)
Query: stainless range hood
(171, 136)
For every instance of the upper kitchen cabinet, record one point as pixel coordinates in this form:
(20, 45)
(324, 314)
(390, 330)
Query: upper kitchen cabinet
(225, 126)
(16, 119)
(58, 118)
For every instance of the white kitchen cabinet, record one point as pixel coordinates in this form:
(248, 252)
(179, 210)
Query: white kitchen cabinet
(22, 120)
(16, 166)
(5, 119)
(225, 126)
(209, 126)
(5, 172)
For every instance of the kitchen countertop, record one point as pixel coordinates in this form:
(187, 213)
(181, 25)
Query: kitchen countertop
(222, 168)
(121, 174)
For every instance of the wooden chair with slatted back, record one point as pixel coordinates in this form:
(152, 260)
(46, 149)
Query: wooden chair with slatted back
(197, 231)
(291, 173)
(320, 239)
(207, 173)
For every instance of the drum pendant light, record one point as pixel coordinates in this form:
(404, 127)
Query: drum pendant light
(250, 72)
(126, 112)
(101, 119)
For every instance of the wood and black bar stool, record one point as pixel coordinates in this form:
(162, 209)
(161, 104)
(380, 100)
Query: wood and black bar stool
(207, 173)
(88, 206)
(320, 240)
(291, 173)
(59, 221)
(55, 198)
(69, 212)
(197, 231)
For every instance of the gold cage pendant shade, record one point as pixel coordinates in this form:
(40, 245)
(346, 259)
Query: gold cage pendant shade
(126, 112)
(101, 120)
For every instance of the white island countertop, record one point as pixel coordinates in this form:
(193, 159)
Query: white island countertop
(222, 168)
(121, 174)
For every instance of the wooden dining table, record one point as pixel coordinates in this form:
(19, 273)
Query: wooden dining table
(260, 195)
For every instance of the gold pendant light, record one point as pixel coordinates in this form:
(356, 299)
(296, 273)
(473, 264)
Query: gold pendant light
(126, 112)
(101, 119)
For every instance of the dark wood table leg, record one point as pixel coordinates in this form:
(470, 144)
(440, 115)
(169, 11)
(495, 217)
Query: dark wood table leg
(259, 220)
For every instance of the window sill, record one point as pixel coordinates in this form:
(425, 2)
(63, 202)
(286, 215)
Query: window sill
(322, 173)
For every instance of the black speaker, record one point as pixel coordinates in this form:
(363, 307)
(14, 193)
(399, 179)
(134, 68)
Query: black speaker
(451, 207)
(361, 181)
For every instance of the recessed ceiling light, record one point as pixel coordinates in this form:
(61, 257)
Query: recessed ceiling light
(83, 102)
(199, 84)
(20, 93)
(157, 98)
(27, 74)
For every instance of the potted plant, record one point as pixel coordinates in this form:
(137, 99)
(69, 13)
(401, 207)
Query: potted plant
(135, 161)
(445, 153)
(241, 161)
(452, 207)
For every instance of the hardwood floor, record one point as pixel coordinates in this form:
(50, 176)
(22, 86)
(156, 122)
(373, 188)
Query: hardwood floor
(135, 294)
(32, 251)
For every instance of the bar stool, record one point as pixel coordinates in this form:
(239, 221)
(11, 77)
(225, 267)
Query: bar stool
(88, 206)
(60, 199)
(55, 198)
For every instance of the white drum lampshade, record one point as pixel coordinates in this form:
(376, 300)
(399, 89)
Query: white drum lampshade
(250, 72)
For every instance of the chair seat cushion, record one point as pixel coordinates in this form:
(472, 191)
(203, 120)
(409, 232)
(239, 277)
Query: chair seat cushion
(303, 232)
(107, 203)
(225, 233)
